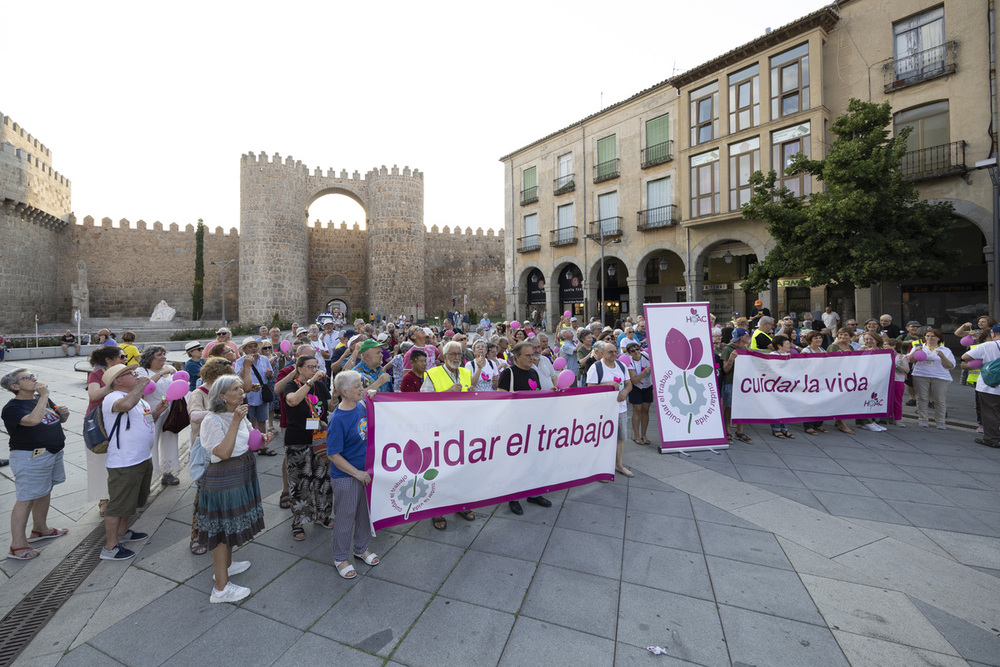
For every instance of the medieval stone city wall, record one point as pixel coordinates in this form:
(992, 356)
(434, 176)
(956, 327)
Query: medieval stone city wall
(477, 261)
(132, 267)
(51, 263)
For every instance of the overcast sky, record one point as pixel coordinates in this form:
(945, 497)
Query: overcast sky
(147, 107)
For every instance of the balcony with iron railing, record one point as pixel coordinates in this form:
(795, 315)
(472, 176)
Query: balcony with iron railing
(655, 218)
(529, 195)
(606, 228)
(529, 243)
(921, 66)
(658, 154)
(563, 236)
(605, 171)
(934, 162)
(563, 184)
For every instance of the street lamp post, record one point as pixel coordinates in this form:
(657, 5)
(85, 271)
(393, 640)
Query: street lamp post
(223, 264)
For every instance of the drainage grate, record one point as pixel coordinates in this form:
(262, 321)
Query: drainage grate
(30, 615)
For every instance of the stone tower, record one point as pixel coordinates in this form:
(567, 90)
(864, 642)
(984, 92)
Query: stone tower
(396, 241)
(275, 196)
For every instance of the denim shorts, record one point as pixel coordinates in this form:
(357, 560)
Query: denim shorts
(34, 476)
(258, 413)
(727, 394)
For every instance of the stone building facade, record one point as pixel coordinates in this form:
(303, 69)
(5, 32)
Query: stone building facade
(52, 264)
(643, 198)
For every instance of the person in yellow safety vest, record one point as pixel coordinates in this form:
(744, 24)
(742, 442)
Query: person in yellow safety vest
(761, 340)
(449, 376)
(972, 376)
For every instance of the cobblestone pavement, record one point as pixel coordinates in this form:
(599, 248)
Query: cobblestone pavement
(871, 549)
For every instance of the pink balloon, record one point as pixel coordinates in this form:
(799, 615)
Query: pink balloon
(256, 440)
(625, 358)
(975, 363)
(182, 375)
(567, 314)
(285, 346)
(559, 363)
(149, 389)
(968, 341)
(565, 379)
(313, 399)
(920, 355)
(178, 389)
(515, 325)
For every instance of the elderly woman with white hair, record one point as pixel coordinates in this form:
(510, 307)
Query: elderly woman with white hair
(166, 461)
(229, 505)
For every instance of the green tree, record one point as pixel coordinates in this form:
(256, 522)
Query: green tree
(198, 293)
(866, 226)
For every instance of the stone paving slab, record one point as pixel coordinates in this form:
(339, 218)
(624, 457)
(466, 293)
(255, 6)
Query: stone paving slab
(534, 642)
(455, 633)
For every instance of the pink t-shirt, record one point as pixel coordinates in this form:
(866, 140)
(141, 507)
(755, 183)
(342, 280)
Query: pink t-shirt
(431, 351)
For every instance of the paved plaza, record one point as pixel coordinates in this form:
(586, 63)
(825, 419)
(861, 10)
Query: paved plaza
(873, 549)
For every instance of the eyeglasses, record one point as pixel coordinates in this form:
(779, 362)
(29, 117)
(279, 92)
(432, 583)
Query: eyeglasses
(30, 376)
(123, 356)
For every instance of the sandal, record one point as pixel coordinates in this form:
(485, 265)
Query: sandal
(36, 536)
(788, 435)
(298, 533)
(625, 471)
(369, 558)
(328, 523)
(821, 429)
(440, 522)
(778, 434)
(198, 549)
(23, 553)
(285, 502)
(812, 431)
(743, 437)
(347, 571)
(267, 451)
(845, 429)
(465, 514)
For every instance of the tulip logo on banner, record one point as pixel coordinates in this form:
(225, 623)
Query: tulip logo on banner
(418, 461)
(688, 395)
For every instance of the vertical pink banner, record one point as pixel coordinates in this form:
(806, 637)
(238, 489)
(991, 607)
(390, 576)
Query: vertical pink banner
(687, 395)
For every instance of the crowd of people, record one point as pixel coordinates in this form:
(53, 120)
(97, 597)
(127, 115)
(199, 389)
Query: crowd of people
(306, 390)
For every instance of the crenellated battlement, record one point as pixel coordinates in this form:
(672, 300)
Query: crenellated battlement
(33, 162)
(448, 232)
(14, 134)
(142, 226)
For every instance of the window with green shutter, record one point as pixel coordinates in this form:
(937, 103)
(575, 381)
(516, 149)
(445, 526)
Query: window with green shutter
(607, 159)
(529, 188)
(657, 149)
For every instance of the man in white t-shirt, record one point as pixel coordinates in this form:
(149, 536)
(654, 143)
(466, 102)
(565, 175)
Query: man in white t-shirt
(609, 371)
(989, 397)
(831, 320)
(130, 465)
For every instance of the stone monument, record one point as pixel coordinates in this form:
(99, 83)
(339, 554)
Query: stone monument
(162, 312)
(81, 297)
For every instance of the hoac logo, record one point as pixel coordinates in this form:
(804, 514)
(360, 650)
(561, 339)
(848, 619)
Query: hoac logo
(695, 317)
(874, 401)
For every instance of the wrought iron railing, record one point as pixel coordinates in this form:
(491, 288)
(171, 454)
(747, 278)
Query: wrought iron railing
(914, 68)
(661, 216)
(563, 236)
(563, 184)
(605, 171)
(529, 243)
(658, 154)
(934, 162)
(529, 195)
(606, 227)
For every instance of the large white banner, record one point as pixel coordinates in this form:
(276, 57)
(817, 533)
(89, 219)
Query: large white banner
(432, 454)
(685, 388)
(771, 388)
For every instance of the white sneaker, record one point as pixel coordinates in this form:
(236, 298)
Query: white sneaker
(924, 424)
(900, 424)
(942, 427)
(238, 567)
(880, 427)
(871, 427)
(231, 593)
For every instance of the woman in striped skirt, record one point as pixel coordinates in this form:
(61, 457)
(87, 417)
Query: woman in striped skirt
(229, 509)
